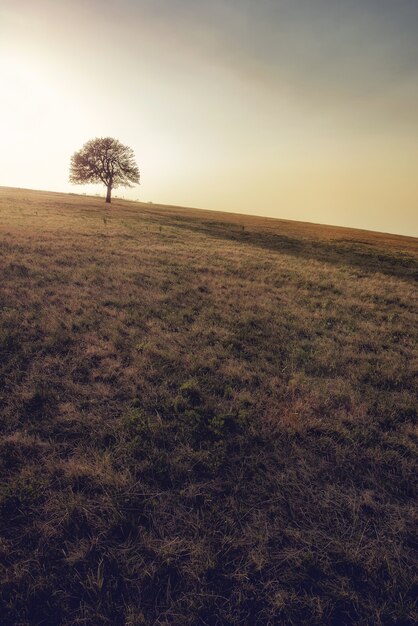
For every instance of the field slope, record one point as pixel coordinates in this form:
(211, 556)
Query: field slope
(205, 418)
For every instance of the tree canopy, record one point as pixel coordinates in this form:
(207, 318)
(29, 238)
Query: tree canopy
(104, 160)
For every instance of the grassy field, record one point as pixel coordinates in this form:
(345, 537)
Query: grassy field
(206, 418)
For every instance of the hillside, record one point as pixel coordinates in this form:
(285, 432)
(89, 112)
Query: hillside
(206, 418)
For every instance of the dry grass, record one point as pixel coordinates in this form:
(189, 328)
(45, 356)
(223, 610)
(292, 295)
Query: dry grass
(205, 418)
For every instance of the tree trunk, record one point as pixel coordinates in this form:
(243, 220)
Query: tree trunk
(109, 191)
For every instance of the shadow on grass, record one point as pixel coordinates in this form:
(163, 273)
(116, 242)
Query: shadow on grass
(364, 257)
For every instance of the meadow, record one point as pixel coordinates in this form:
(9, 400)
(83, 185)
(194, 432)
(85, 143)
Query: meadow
(206, 418)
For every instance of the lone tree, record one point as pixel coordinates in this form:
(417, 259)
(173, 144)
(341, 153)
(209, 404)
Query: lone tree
(104, 160)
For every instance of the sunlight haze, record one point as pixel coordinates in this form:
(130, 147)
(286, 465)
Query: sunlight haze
(304, 110)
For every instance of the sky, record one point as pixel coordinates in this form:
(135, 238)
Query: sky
(297, 109)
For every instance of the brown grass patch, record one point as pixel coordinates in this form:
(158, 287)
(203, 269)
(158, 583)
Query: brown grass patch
(205, 418)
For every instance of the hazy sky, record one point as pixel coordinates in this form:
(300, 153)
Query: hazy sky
(301, 109)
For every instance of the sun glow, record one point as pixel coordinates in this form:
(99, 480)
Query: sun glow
(24, 101)
(35, 111)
